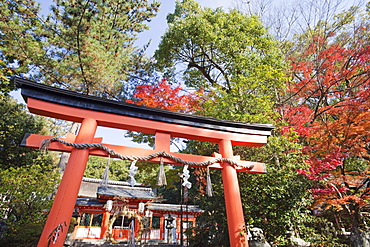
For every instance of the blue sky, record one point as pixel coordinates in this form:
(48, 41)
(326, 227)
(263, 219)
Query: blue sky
(158, 24)
(157, 27)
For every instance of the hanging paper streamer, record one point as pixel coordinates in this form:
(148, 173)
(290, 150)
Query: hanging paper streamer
(104, 181)
(141, 207)
(209, 188)
(132, 172)
(186, 174)
(109, 205)
(161, 179)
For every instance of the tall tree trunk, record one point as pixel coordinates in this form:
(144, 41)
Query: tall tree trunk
(359, 238)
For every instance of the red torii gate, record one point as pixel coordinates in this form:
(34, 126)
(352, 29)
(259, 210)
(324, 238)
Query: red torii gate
(92, 112)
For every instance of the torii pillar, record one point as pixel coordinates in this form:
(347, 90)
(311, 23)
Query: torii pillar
(234, 208)
(93, 112)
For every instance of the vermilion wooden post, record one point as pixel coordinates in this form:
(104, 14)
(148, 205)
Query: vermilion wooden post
(56, 226)
(104, 225)
(234, 208)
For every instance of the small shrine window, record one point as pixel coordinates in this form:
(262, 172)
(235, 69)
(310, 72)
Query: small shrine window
(187, 224)
(123, 222)
(156, 222)
(91, 219)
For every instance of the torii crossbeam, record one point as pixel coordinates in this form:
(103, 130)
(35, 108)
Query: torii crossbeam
(92, 112)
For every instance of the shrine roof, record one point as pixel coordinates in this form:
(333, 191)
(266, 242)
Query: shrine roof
(92, 188)
(31, 89)
(173, 208)
(126, 192)
(155, 207)
(93, 202)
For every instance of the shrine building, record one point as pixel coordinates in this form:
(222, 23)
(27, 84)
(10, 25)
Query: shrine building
(120, 213)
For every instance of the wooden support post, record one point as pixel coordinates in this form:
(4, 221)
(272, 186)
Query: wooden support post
(162, 141)
(234, 208)
(56, 227)
(104, 225)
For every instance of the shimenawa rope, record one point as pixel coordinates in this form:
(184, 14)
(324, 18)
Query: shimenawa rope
(162, 154)
(45, 144)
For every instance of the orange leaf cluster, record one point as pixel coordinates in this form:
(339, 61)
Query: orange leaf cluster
(163, 96)
(329, 110)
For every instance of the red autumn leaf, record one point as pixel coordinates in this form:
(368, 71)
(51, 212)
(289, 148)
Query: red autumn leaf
(163, 96)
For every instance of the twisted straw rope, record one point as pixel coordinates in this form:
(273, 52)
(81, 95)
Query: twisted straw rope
(45, 144)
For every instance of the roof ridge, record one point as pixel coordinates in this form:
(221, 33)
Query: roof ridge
(113, 182)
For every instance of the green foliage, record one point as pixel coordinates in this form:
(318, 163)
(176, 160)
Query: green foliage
(94, 44)
(148, 173)
(16, 233)
(278, 200)
(5, 83)
(26, 193)
(118, 169)
(244, 75)
(229, 54)
(15, 122)
(27, 178)
(20, 42)
(212, 227)
(85, 46)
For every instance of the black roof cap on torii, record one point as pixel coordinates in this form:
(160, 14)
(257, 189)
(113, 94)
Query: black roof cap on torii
(69, 98)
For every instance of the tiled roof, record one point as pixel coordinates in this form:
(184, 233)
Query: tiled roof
(151, 206)
(91, 188)
(90, 202)
(126, 192)
(109, 182)
(174, 208)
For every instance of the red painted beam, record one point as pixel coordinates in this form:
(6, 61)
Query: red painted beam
(75, 114)
(34, 141)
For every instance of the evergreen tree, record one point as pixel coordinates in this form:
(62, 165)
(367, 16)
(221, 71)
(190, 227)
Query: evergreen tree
(84, 46)
(27, 178)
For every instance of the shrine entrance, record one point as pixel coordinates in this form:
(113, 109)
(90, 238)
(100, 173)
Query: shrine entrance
(92, 112)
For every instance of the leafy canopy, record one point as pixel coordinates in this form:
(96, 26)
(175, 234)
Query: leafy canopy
(327, 107)
(27, 178)
(238, 64)
(85, 46)
(229, 54)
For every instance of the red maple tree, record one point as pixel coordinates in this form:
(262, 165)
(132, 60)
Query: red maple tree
(328, 106)
(163, 96)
